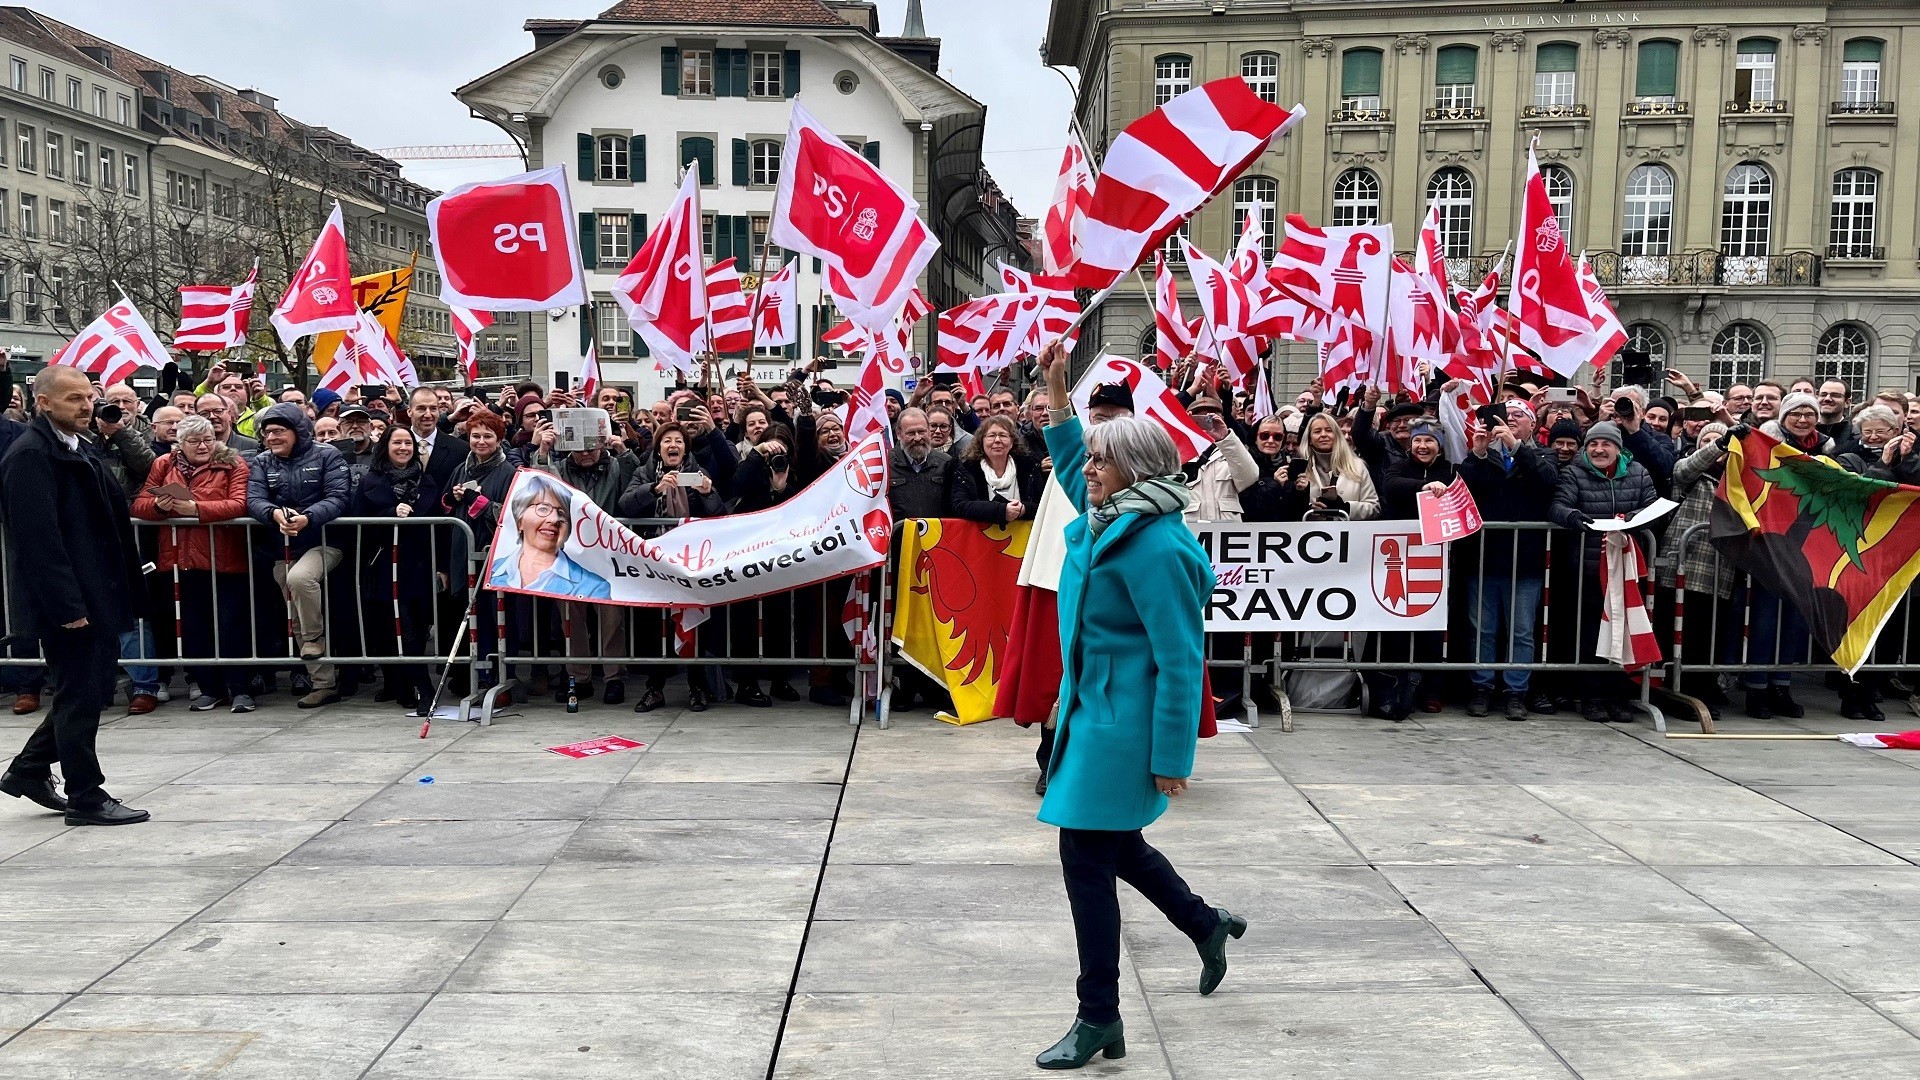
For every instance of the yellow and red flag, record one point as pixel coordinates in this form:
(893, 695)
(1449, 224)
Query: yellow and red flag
(953, 609)
(1841, 548)
(384, 296)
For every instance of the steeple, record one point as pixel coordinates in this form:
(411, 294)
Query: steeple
(916, 21)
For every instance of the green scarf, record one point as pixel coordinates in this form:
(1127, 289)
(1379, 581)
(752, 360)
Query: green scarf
(1154, 495)
(1619, 467)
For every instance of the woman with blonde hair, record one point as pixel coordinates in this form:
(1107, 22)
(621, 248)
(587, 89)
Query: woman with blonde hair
(1334, 479)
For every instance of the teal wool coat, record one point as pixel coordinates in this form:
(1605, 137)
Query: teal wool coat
(1132, 653)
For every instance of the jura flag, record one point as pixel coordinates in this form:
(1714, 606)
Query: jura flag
(1547, 299)
(376, 354)
(1072, 194)
(113, 346)
(215, 317)
(1172, 341)
(1152, 400)
(467, 324)
(836, 205)
(727, 312)
(589, 382)
(508, 245)
(664, 289)
(776, 309)
(320, 297)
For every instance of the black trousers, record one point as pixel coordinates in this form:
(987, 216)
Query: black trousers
(82, 666)
(1091, 860)
(205, 615)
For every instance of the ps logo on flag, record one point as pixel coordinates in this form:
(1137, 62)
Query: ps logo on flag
(1408, 577)
(865, 225)
(831, 195)
(507, 236)
(1547, 237)
(325, 295)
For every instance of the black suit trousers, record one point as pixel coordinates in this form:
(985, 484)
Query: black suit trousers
(1091, 860)
(83, 665)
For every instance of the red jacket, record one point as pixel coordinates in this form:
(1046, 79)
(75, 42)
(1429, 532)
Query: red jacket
(219, 494)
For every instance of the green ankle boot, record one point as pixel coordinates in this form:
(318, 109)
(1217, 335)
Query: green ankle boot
(1082, 1042)
(1213, 952)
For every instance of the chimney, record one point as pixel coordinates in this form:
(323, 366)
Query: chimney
(861, 13)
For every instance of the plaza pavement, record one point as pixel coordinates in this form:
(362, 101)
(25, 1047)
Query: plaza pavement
(766, 894)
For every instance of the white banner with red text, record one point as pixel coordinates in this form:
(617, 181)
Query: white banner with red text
(553, 541)
(1356, 576)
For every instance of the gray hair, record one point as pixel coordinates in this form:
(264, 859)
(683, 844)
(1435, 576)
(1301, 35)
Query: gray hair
(540, 484)
(191, 426)
(1876, 411)
(1137, 448)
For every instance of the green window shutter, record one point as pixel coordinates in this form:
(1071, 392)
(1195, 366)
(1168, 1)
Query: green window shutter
(1659, 69)
(1457, 65)
(1860, 49)
(1761, 46)
(586, 327)
(791, 84)
(816, 264)
(636, 231)
(670, 70)
(740, 171)
(722, 73)
(1557, 57)
(1360, 73)
(589, 165)
(589, 240)
(871, 151)
(792, 349)
(637, 158)
(742, 78)
(743, 242)
(698, 148)
(723, 240)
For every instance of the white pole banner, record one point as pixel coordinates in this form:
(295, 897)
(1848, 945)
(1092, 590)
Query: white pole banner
(553, 541)
(1358, 576)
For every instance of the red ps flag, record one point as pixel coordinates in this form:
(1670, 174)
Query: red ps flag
(836, 205)
(321, 295)
(1547, 300)
(508, 245)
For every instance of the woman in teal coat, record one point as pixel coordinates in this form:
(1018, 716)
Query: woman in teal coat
(1132, 653)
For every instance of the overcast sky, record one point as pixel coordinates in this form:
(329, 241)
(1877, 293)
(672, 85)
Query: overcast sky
(382, 72)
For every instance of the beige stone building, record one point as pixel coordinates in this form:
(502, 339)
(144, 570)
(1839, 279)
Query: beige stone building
(1745, 177)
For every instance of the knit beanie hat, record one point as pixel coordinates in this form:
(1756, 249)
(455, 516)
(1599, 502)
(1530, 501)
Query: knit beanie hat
(1608, 430)
(1566, 429)
(1801, 400)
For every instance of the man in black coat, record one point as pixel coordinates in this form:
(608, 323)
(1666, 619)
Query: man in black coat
(75, 578)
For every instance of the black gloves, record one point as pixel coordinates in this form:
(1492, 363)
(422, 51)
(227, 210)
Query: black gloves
(1578, 520)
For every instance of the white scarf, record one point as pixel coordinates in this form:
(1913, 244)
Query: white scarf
(1004, 485)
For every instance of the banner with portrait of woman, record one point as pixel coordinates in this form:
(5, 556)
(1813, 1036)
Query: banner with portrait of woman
(554, 541)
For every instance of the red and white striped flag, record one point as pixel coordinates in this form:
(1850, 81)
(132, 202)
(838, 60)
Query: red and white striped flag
(467, 324)
(215, 317)
(1626, 630)
(727, 312)
(1172, 341)
(1058, 313)
(113, 346)
(1611, 335)
(368, 357)
(892, 349)
(1152, 400)
(664, 289)
(1072, 195)
(1547, 300)
(990, 333)
(867, 403)
(1227, 309)
(1165, 166)
(320, 298)
(776, 309)
(589, 381)
(1884, 740)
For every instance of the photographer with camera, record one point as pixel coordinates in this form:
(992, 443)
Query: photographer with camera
(118, 445)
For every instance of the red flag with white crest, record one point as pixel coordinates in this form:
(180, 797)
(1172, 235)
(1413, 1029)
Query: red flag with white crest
(664, 289)
(1072, 195)
(509, 244)
(320, 297)
(776, 309)
(834, 204)
(1547, 299)
(589, 381)
(866, 405)
(1152, 400)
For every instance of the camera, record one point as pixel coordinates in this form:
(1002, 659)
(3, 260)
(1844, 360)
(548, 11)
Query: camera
(108, 411)
(777, 463)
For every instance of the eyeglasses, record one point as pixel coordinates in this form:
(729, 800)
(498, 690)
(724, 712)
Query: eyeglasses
(199, 440)
(1263, 436)
(545, 510)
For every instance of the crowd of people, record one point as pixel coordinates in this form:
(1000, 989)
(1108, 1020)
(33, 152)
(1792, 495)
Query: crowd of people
(296, 587)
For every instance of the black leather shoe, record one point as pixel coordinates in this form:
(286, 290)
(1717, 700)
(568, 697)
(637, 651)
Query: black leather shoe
(111, 812)
(615, 692)
(752, 697)
(38, 791)
(696, 700)
(650, 700)
(1213, 951)
(1082, 1042)
(783, 690)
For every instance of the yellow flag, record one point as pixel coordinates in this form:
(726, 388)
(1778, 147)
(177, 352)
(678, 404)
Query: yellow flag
(385, 295)
(953, 611)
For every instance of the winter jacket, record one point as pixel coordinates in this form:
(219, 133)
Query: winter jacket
(970, 498)
(73, 554)
(753, 484)
(127, 456)
(1405, 480)
(1224, 470)
(313, 479)
(640, 500)
(219, 494)
(1519, 489)
(921, 492)
(1656, 453)
(1696, 484)
(376, 497)
(1358, 497)
(1583, 490)
(483, 508)
(602, 482)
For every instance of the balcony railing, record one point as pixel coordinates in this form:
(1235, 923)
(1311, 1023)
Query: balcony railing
(1363, 116)
(1457, 112)
(1658, 107)
(1855, 253)
(1553, 112)
(1774, 107)
(1463, 271)
(1693, 269)
(1861, 108)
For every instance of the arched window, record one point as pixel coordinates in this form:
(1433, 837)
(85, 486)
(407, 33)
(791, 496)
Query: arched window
(1739, 356)
(765, 169)
(1856, 194)
(1262, 72)
(1149, 346)
(1656, 75)
(1359, 83)
(1256, 193)
(1452, 188)
(1754, 64)
(1356, 198)
(1456, 69)
(1172, 76)
(612, 160)
(1559, 181)
(1844, 353)
(1553, 73)
(1647, 225)
(1860, 75)
(1746, 224)
(1641, 338)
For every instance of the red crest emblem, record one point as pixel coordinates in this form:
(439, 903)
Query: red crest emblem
(1408, 577)
(867, 469)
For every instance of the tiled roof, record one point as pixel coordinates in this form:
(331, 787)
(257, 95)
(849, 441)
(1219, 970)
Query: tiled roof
(744, 12)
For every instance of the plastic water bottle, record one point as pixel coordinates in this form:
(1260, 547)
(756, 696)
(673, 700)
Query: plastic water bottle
(573, 695)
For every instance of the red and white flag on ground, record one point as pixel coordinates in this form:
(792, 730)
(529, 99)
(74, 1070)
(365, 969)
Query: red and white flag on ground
(1165, 166)
(1888, 740)
(834, 204)
(320, 297)
(508, 244)
(589, 381)
(776, 309)
(727, 312)
(113, 346)
(1626, 630)
(1072, 195)
(1152, 400)
(1547, 299)
(664, 289)
(215, 317)
(467, 324)
(1172, 340)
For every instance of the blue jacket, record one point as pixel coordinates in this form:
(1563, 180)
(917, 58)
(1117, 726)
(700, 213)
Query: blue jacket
(1131, 644)
(314, 480)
